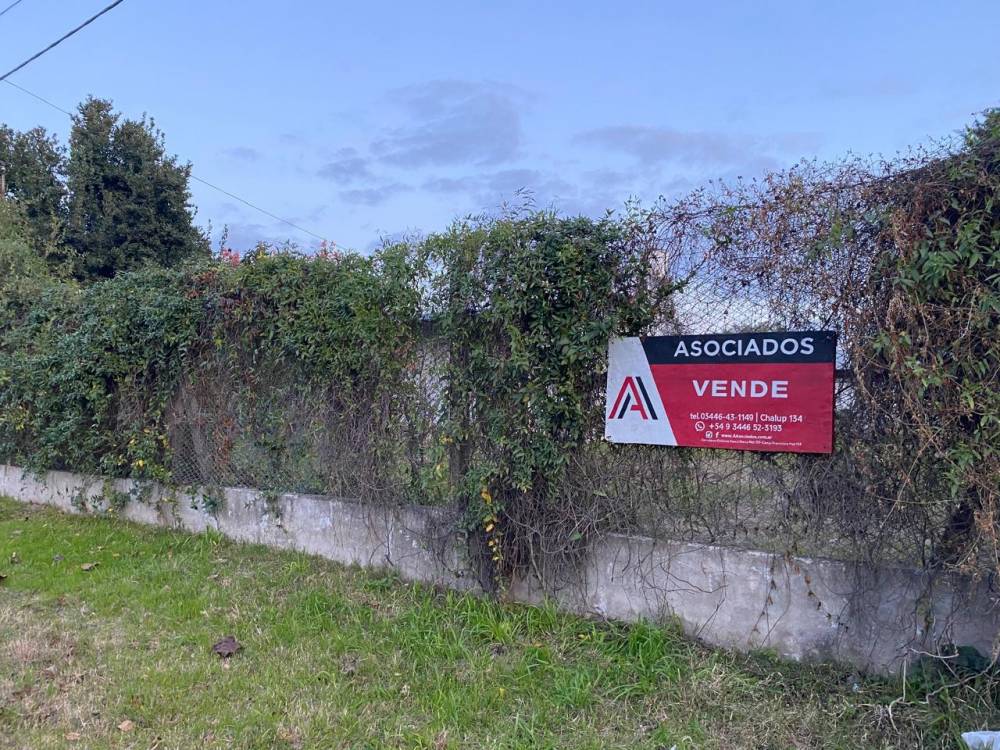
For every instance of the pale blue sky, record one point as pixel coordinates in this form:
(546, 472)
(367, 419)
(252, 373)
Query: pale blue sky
(359, 120)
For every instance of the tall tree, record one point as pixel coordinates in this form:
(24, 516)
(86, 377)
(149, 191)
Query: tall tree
(17, 257)
(34, 167)
(129, 201)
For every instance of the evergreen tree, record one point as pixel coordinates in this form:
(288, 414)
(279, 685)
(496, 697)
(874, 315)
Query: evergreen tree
(34, 168)
(129, 203)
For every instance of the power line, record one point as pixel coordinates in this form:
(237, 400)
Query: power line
(61, 39)
(42, 99)
(258, 208)
(16, 2)
(193, 176)
(39, 98)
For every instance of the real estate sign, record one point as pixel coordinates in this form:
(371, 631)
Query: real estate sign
(743, 391)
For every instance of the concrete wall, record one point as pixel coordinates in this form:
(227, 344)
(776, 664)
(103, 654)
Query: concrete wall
(799, 607)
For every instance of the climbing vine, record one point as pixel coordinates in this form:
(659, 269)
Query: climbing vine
(526, 305)
(97, 377)
(466, 369)
(934, 367)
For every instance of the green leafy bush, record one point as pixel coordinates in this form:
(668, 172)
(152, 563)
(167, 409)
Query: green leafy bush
(89, 372)
(935, 364)
(526, 306)
(467, 368)
(92, 374)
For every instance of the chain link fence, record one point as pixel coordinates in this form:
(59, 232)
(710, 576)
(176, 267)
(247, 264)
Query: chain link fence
(262, 426)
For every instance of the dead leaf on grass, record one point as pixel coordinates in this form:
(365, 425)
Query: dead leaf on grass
(89, 566)
(290, 737)
(227, 647)
(22, 692)
(349, 665)
(127, 726)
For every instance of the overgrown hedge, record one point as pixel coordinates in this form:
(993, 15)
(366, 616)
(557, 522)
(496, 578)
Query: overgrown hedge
(903, 258)
(468, 367)
(90, 372)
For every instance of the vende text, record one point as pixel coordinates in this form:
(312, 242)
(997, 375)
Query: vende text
(741, 388)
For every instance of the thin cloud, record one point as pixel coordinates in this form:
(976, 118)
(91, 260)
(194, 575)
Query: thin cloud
(652, 145)
(454, 122)
(877, 87)
(374, 196)
(492, 188)
(242, 153)
(452, 185)
(347, 167)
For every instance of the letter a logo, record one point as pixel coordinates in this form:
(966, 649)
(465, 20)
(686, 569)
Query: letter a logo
(632, 396)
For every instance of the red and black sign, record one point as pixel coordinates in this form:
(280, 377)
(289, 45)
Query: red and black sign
(745, 391)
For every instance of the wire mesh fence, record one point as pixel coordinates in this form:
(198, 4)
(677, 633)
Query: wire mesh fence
(411, 418)
(263, 425)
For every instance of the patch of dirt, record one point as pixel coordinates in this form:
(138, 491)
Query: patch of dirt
(42, 681)
(14, 510)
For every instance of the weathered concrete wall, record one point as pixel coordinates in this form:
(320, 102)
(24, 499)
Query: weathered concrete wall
(801, 608)
(405, 540)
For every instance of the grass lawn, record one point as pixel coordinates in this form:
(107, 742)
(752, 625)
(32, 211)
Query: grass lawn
(120, 656)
